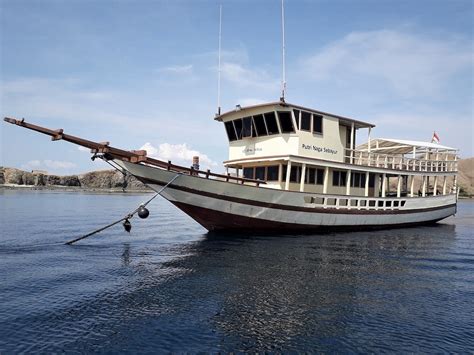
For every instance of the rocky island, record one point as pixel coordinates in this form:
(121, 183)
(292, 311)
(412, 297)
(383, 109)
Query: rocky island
(103, 180)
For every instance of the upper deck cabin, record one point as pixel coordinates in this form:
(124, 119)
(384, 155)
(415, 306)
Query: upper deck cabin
(282, 129)
(278, 130)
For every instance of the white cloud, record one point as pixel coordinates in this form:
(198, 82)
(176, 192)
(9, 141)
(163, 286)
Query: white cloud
(83, 149)
(241, 76)
(411, 64)
(48, 164)
(32, 164)
(179, 154)
(177, 69)
(57, 164)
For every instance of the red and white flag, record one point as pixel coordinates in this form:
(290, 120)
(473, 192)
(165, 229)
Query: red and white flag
(435, 138)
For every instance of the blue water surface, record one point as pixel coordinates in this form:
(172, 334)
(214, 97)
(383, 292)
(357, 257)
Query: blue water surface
(170, 287)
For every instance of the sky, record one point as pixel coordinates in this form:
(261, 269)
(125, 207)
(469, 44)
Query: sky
(143, 74)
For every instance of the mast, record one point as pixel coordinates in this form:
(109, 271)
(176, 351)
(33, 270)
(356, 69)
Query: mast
(283, 74)
(219, 64)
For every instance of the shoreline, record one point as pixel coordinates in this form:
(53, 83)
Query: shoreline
(59, 188)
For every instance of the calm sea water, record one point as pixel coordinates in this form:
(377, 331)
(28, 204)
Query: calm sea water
(168, 286)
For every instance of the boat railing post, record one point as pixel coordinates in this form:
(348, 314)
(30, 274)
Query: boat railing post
(366, 187)
(302, 179)
(412, 186)
(326, 180)
(399, 186)
(444, 185)
(288, 172)
(423, 192)
(348, 183)
(384, 184)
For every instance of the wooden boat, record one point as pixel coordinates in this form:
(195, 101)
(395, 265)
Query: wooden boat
(295, 169)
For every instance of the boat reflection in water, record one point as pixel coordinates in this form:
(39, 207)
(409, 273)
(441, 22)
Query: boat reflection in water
(299, 293)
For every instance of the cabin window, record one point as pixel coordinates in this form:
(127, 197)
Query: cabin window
(317, 124)
(238, 128)
(260, 173)
(371, 180)
(286, 123)
(297, 117)
(358, 180)
(229, 127)
(260, 125)
(247, 127)
(295, 173)
(305, 121)
(271, 123)
(310, 176)
(314, 176)
(339, 178)
(320, 176)
(272, 173)
(248, 172)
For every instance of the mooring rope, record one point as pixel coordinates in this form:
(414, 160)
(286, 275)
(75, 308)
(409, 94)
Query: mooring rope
(128, 216)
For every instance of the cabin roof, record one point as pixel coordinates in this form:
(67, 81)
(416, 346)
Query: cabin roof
(401, 146)
(357, 123)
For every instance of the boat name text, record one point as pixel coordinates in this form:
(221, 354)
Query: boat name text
(318, 149)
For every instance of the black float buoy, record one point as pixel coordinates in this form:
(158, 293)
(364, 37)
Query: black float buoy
(143, 212)
(127, 225)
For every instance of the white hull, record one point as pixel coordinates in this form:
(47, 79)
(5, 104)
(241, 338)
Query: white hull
(220, 205)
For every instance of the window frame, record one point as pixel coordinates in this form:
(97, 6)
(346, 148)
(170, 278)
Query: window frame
(274, 116)
(247, 119)
(313, 116)
(310, 118)
(230, 124)
(288, 115)
(253, 172)
(277, 172)
(264, 125)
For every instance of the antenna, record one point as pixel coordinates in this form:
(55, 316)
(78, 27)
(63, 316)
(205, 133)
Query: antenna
(219, 65)
(283, 74)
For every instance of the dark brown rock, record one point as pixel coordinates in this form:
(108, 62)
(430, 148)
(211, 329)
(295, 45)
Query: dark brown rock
(28, 178)
(70, 180)
(52, 180)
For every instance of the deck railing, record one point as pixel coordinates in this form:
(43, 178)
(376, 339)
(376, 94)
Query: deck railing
(400, 162)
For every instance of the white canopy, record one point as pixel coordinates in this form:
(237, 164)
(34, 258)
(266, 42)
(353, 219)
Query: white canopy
(400, 146)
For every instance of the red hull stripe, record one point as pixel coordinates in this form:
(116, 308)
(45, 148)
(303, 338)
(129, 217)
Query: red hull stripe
(288, 207)
(221, 221)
